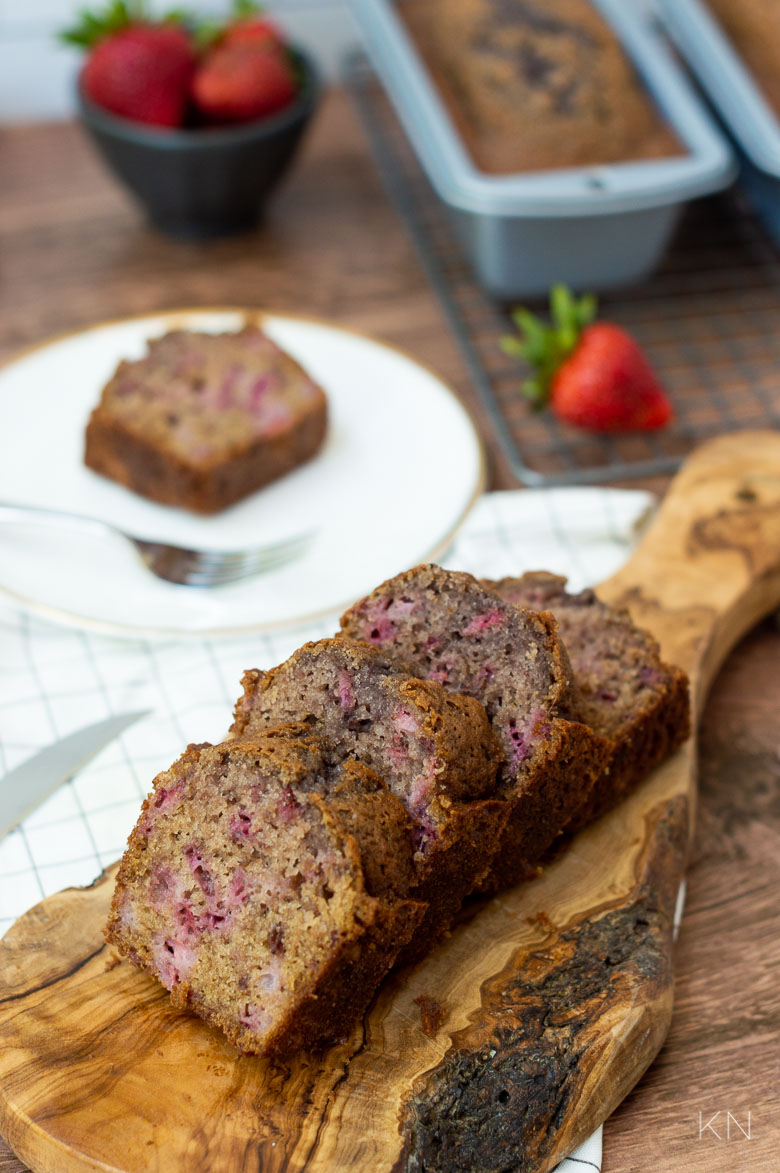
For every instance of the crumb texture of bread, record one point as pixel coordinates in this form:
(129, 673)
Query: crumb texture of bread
(447, 627)
(203, 420)
(433, 749)
(628, 694)
(436, 747)
(267, 891)
(533, 85)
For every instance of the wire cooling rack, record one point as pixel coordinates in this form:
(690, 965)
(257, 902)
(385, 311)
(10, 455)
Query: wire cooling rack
(709, 320)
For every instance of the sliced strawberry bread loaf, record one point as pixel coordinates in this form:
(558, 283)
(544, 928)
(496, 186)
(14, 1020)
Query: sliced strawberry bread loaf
(267, 890)
(434, 750)
(629, 695)
(446, 627)
(205, 419)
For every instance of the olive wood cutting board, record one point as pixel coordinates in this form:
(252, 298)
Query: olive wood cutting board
(509, 1044)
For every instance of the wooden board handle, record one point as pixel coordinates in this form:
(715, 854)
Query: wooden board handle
(708, 569)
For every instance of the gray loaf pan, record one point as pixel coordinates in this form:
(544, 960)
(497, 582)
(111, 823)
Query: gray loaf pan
(590, 227)
(745, 111)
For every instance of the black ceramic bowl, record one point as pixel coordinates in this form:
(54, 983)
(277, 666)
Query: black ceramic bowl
(204, 182)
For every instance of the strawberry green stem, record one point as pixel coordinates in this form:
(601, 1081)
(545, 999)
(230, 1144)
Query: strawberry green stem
(546, 346)
(92, 27)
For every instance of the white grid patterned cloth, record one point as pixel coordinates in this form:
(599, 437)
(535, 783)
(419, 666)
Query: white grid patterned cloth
(55, 680)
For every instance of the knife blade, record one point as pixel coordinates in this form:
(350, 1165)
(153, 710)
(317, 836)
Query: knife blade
(26, 786)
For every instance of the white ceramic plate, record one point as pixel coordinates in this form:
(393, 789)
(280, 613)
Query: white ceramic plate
(401, 466)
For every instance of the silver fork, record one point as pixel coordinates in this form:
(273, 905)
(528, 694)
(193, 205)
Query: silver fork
(179, 564)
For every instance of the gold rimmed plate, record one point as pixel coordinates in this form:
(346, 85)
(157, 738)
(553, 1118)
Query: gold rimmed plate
(400, 469)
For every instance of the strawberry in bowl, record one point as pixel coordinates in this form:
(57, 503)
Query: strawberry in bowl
(199, 121)
(136, 69)
(247, 74)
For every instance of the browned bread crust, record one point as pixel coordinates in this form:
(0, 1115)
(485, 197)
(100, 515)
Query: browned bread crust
(446, 626)
(272, 881)
(536, 84)
(433, 749)
(242, 414)
(266, 907)
(324, 684)
(629, 694)
(553, 800)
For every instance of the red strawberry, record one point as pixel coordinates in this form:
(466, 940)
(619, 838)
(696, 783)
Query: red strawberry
(136, 68)
(254, 31)
(238, 83)
(607, 385)
(142, 73)
(594, 375)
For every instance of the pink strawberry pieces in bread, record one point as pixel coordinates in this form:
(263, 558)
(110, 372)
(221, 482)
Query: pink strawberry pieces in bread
(268, 892)
(434, 751)
(636, 701)
(444, 626)
(205, 419)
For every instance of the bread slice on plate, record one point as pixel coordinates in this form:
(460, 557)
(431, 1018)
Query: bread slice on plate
(205, 419)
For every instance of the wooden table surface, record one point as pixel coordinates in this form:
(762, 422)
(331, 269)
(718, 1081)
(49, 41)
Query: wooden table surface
(74, 250)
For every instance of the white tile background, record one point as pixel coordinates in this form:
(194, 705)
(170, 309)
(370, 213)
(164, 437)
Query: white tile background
(37, 72)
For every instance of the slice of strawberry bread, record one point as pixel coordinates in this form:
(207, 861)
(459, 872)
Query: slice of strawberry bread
(266, 890)
(205, 419)
(636, 701)
(434, 750)
(445, 626)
